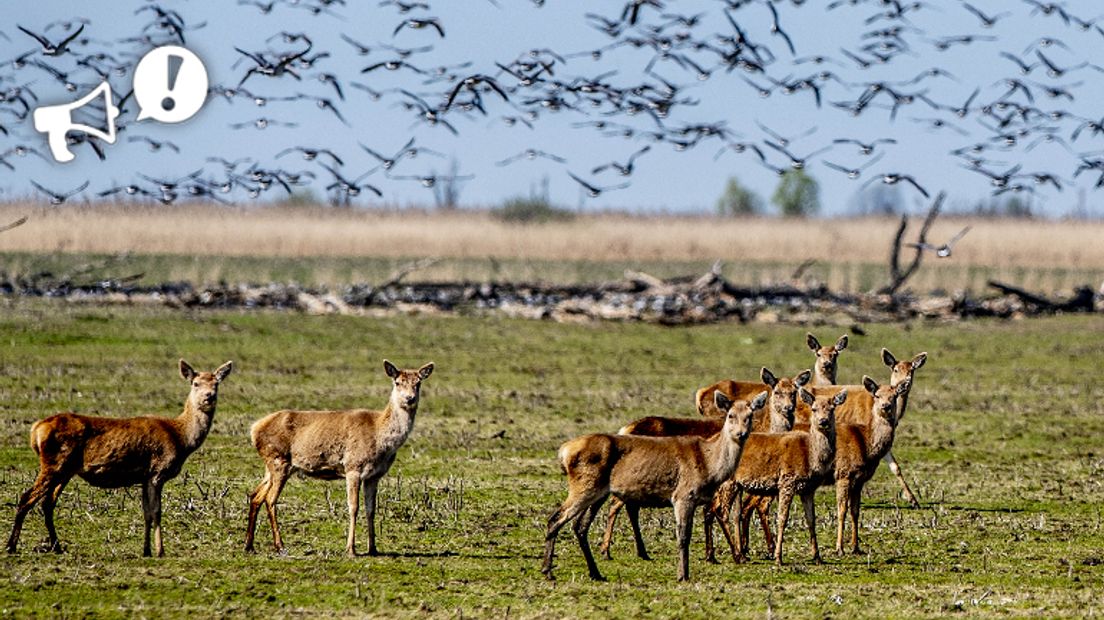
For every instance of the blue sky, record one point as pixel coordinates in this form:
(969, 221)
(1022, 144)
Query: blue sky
(480, 32)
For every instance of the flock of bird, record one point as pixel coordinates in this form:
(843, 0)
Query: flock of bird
(601, 91)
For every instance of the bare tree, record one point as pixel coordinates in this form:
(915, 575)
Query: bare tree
(897, 276)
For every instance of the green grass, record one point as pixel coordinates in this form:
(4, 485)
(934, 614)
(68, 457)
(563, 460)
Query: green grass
(1002, 440)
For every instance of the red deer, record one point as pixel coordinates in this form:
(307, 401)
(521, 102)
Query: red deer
(357, 445)
(786, 464)
(119, 452)
(824, 369)
(779, 417)
(647, 472)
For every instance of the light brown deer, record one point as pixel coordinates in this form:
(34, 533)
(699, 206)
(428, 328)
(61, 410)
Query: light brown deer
(783, 393)
(858, 410)
(119, 452)
(784, 465)
(824, 369)
(647, 472)
(779, 416)
(859, 449)
(357, 445)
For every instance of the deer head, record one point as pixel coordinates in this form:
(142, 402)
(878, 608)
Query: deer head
(826, 357)
(783, 395)
(738, 414)
(885, 397)
(823, 408)
(406, 384)
(205, 385)
(899, 371)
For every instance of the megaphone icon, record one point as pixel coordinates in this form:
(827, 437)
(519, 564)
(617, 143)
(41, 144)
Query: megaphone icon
(57, 120)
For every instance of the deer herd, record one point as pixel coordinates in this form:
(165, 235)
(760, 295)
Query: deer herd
(754, 443)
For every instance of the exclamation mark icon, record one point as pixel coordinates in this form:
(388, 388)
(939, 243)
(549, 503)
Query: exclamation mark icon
(175, 62)
(170, 84)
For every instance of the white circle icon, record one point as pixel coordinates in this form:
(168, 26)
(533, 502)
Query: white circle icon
(170, 84)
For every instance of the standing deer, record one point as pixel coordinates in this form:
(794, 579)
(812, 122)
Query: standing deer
(647, 471)
(119, 452)
(358, 445)
(778, 417)
(784, 465)
(859, 449)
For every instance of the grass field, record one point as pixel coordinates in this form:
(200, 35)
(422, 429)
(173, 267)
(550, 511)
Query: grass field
(332, 247)
(1002, 441)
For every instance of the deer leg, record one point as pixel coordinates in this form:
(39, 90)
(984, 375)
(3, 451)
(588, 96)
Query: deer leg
(855, 502)
(607, 537)
(370, 487)
(582, 528)
(147, 517)
(256, 499)
(40, 489)
(155, 497)
(725, 522)
(352, 496)
(785, 498)
(810, 521)
(572, 507)
(638, 539)
(762, 507)
(896, 469)
(684, 521)
(843, 492)
(48, 503)
(278, 473)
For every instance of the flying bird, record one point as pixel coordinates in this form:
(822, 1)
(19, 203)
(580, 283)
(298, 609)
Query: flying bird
(942, 251)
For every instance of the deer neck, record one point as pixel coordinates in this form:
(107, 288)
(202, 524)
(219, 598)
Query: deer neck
(722, 455)
(822, 448)
(193, 425)
(823, 379)
(902, 403)
(397, 422)
(880, 438)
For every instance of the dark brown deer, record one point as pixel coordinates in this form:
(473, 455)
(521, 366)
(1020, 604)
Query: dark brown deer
(119, 452)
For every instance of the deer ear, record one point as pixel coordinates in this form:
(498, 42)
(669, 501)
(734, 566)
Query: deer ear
(425, 371)
(768, 377)
(841, 344)
(723, 402)
(759, 402)
(870, 385)
(806, 396)
(919, 360)
(888, 359)
(839, 398)
(390, 369)
(223, 371)
(813, 343)
(804, 377)
(186, 370)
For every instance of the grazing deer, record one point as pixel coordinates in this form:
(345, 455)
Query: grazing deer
(119, 452)
(824, 370)
(358, 445)
(782, 404)
(648, 471)
(786, 464)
